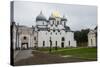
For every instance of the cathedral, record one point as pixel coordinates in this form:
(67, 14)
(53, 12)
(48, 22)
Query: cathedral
(51, 32)
(92, 38)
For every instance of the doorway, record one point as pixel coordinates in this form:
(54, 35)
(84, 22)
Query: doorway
(24, 46)
(62, 44)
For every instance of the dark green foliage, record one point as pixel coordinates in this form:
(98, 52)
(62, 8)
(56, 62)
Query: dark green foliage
(81, 36)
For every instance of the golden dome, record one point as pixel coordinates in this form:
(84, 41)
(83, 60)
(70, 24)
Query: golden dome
(56, 14)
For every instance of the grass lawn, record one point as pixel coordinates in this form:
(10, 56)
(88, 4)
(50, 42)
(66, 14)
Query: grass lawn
(84, 53)
(46, 49)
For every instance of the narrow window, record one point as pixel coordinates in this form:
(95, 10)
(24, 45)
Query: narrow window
(69, 43)
(56, 43)
(50, 43)
(43, 43)
(56, 46)
(91, 42)
(63, 39)
(34, 38)
(62, 44)
(53, 30)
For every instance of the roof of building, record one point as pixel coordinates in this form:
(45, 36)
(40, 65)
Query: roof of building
(67, 28)
(40, 17)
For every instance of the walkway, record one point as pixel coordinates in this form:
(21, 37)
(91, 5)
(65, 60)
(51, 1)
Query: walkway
(23, 54)
(29, 57)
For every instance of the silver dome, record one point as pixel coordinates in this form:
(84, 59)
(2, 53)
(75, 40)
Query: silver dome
(40, 17)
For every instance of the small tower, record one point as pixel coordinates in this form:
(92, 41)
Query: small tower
(63, 21)
(41, 21)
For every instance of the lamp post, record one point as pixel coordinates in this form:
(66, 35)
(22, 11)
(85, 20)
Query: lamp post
(50, 45)
(56, 46)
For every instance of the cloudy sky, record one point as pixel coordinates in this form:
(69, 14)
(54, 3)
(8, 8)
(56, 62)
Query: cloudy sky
(79, 16)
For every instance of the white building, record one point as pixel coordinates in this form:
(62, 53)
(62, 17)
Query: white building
(52, 32)
(92, 38)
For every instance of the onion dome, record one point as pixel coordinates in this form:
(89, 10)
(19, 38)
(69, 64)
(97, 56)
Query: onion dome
(40, 17)
(63, 19)
(67, 28)
(56, 14)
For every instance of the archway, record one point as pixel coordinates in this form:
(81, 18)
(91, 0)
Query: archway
(24, 42)
(24, 46)
(62, 44)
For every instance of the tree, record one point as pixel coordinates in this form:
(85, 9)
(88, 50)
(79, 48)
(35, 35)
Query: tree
(81, 36)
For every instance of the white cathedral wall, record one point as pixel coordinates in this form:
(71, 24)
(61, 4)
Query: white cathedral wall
(32, 41)
(42, 36)
(45, 36)
(70, 37)
(93, 38)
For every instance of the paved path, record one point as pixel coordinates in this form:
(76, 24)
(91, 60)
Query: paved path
(16, 53)
(23, 54)
(29, 57)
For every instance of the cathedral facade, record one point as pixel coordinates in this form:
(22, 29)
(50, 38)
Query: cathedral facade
(92, 38)
(51, 32)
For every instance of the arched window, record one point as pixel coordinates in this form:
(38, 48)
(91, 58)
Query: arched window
(69, 43)
(53, 30)
(43, 43)
(91, 42)
(63, 39)
(56, 43)
(62, 44)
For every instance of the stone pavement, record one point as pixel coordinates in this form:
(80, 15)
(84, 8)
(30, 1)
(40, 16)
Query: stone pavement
(22, 54)
(30, 57)
(16, 53)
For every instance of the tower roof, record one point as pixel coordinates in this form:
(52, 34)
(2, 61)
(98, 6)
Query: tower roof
(40, 17)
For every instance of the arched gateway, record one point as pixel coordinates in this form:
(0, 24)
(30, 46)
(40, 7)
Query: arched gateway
(24, 43)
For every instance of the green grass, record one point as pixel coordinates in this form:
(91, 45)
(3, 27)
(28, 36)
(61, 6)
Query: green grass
(86, 53)
(46, 49)
(79, 52)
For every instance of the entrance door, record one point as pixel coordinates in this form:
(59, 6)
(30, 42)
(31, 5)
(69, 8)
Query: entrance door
(24, 46)
(62, 44)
